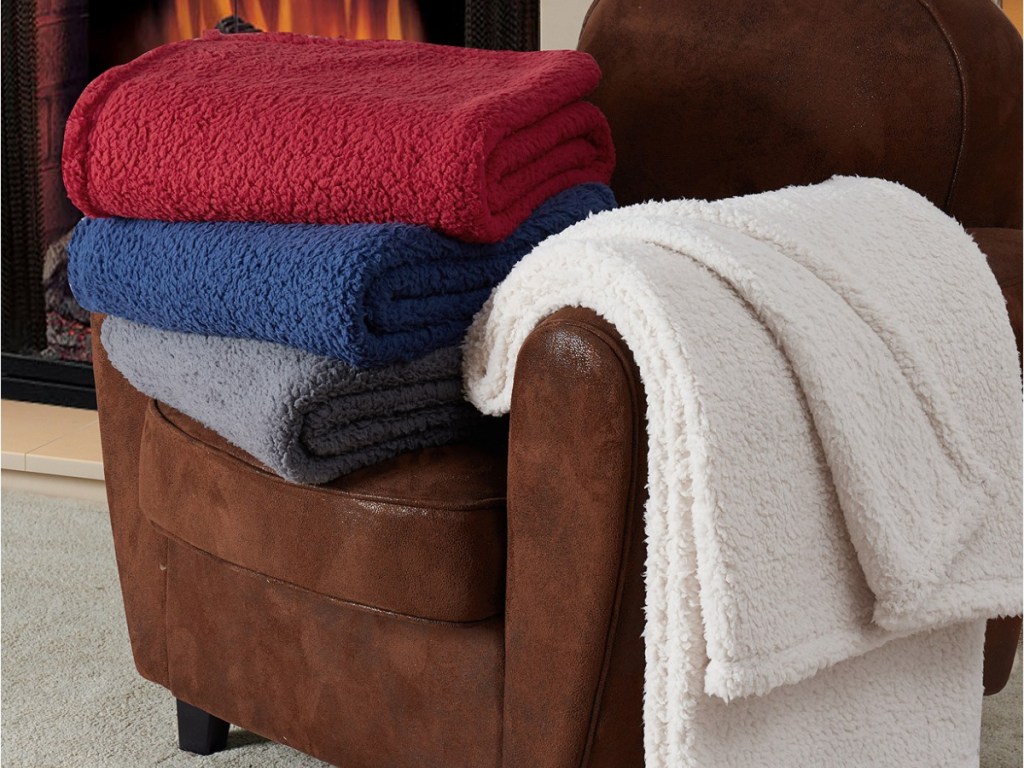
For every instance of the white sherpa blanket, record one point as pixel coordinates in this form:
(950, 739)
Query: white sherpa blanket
(834, 433)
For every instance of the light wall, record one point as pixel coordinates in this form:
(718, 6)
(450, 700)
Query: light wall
(560, 22)
(1012, 9)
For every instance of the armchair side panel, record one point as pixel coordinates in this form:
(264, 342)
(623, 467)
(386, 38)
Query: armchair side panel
(574, 653)
(141, 552)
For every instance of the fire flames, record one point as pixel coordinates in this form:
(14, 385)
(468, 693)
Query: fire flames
(353, 19)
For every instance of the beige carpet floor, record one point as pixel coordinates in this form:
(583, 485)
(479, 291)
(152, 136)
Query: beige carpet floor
(69, 694)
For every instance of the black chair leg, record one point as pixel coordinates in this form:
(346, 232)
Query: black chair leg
(199, 731)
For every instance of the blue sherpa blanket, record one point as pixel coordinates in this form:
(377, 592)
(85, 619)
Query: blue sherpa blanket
(307, 417)
(368, 294)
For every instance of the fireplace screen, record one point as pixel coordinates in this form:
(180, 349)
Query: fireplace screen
(393, 20)
(52, 48)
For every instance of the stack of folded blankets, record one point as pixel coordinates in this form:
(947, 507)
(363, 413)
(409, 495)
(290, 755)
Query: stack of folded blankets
(291, 235)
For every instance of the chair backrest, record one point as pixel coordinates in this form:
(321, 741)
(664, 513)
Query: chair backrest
(711, 99)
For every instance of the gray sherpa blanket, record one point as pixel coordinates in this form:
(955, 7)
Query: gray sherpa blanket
(309, 418)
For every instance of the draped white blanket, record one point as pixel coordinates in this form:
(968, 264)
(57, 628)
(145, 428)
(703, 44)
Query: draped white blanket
(834, 424)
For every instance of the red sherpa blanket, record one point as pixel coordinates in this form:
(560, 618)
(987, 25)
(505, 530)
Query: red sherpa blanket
(288, 128)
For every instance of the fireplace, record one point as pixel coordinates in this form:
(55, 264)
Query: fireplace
(52, 48)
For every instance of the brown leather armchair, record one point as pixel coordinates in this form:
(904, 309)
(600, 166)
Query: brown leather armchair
(481, 605)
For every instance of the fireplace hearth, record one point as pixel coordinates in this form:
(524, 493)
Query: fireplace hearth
(52, 48)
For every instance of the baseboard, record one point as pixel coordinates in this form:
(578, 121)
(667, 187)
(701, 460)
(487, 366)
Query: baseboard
(54, 485)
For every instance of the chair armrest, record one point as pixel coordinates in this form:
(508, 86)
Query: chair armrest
(1002, 249)
(574, 590)
(574, 593)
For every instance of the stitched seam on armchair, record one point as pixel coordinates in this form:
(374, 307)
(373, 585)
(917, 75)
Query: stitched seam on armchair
(165, 568)
(586, 18)
(168, 536)
(629, 527)
(488, 504)
(955, 55)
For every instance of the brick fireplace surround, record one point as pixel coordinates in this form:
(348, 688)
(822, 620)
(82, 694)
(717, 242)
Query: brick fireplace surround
(61, 74)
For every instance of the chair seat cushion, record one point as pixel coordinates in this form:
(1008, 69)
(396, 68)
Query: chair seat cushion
(421, 535)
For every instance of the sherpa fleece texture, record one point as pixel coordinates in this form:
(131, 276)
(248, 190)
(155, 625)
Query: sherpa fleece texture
(368, 294)
(308, 418)
(834, 434)
(287, 128)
